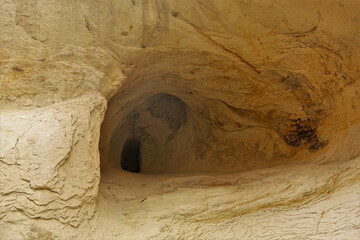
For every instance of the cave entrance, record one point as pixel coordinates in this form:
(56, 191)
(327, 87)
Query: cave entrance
(130, 156)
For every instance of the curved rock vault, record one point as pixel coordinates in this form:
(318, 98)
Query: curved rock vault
(217, 119)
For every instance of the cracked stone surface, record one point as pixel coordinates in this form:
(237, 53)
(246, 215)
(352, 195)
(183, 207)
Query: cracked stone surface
(247, 113)
(49, 159)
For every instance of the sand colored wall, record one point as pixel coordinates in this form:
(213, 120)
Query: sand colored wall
(269, 147)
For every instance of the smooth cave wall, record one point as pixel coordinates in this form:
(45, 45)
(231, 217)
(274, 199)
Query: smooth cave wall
(191, 112)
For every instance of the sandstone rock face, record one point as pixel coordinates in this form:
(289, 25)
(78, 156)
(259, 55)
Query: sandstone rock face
(50, 160)
(247, 115)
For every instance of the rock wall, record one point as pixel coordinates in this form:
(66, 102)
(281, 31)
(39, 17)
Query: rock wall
(257, 136)
(50, 161)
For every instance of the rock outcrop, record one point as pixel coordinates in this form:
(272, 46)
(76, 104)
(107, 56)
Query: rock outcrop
(50, 160)
(247, 114)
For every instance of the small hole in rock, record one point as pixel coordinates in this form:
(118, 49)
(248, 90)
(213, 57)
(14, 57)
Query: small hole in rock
(130, 156)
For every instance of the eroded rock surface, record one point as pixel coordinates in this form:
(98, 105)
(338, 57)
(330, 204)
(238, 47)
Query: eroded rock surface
(247, 114)
(50, 161)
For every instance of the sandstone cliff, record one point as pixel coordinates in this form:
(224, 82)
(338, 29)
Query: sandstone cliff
(247, 113)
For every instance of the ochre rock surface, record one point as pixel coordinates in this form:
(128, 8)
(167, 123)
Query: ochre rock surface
(247, 113)
(51, 161)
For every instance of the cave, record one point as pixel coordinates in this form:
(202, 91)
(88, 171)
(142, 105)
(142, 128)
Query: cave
(168, 119)
(152, 125)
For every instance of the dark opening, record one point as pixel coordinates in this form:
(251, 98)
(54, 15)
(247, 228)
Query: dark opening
(130, 156)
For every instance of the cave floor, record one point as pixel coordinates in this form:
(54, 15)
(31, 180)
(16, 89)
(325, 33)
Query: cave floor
(159, 206)
(295, 200)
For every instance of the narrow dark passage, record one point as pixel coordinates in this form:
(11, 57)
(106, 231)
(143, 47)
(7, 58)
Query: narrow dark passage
(130, 156)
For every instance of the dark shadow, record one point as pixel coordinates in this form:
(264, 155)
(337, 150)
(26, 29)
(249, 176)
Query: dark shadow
(130, 156)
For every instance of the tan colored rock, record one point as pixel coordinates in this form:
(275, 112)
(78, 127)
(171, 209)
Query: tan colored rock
(50, 161)
(246, 112)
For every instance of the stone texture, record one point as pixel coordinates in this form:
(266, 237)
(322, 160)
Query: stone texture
(50, 161)
(269, 147)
